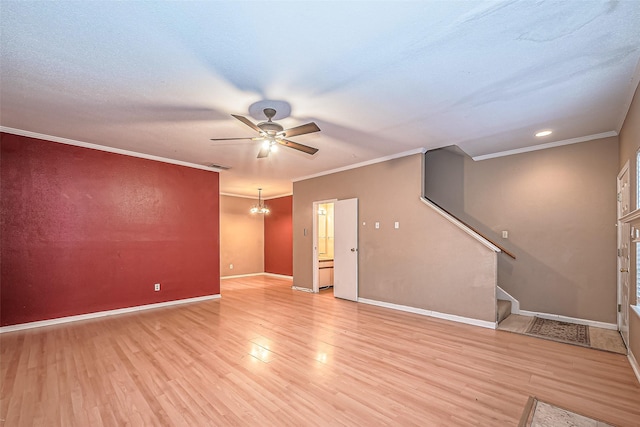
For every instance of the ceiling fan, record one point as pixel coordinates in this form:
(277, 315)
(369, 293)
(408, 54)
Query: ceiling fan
(273, 134)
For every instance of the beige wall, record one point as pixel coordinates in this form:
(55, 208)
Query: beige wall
(629, 145)
(558, 206)
(427, 263)
(241, 237)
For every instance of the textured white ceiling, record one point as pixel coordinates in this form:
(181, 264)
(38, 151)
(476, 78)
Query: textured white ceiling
(379, 78)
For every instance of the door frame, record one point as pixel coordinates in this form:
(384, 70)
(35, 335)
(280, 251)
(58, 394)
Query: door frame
(315, 262)
(623, 242)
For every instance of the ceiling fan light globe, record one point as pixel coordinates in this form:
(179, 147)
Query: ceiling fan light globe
(273, 148)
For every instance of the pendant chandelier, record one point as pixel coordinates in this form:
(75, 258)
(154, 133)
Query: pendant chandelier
(260, 207)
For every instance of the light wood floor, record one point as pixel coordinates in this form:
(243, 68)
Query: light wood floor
(269, 356)
(601, 339)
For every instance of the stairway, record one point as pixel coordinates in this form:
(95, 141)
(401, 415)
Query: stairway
(504, 310)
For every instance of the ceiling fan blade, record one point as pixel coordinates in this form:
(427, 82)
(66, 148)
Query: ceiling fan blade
(247, 122)
(264, 152)
(301, 130)
(296, 146)
(229, 139)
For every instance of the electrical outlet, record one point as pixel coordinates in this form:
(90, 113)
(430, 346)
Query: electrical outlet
(156, 287)
(230, 266)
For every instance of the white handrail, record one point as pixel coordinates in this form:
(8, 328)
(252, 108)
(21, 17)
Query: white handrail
(461, 225)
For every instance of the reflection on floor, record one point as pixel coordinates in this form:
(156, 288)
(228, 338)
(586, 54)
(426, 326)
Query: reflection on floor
(601, 339)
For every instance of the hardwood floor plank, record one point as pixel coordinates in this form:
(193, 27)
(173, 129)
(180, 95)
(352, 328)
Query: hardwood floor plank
(265, 354)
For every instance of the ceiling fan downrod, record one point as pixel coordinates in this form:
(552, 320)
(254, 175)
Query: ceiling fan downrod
(269, 127)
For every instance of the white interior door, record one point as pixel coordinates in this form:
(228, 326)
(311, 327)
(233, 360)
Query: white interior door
(624, 253)
(345, 264)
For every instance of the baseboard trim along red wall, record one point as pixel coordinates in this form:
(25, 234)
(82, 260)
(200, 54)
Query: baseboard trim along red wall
(97, 314)
(85, 231)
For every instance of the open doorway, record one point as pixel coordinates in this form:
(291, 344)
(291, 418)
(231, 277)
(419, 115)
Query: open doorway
(335, 247)
(323, 245)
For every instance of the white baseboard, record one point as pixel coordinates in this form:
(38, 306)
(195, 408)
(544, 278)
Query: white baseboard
(634, 365)
(430, 313)
(279, 276)
(561, 318)
(68, 319)
(298, 288)
(504, 295)
(241, 275)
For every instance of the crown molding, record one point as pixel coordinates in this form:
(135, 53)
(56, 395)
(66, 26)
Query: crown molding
(244, 196)
(547, 145)
(98, 147)
(361, 164)
(277, 197)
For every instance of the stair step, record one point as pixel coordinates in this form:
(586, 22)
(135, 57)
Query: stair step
(504, 310)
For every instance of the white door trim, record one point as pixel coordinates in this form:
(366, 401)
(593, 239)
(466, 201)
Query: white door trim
(315, 265)
(623, 244)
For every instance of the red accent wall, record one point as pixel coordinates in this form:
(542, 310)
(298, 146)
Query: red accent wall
(85, 230)
(278, 236)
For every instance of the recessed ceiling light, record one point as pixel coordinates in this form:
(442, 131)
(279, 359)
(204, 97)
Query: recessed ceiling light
(543, 133)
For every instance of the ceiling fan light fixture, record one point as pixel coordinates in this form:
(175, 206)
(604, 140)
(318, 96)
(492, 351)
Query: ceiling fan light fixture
(274, 147)
(271, 134)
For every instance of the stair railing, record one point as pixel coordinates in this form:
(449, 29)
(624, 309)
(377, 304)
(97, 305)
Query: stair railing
(467, 228)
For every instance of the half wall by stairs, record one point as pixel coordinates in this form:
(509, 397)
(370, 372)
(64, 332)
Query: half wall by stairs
(503, 306)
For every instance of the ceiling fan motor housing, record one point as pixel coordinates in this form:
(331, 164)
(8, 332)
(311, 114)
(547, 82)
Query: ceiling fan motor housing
(270, 127)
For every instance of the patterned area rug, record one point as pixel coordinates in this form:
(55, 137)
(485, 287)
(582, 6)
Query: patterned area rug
(541, 414)
(560, 331)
